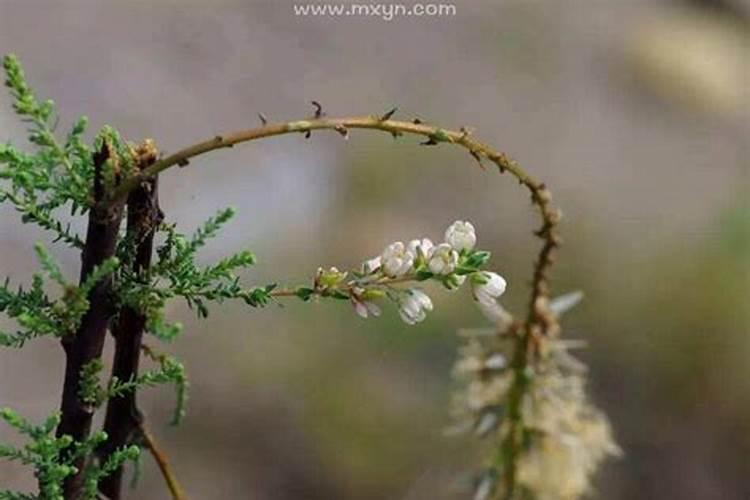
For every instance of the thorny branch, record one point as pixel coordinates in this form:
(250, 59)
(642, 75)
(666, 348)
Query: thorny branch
(539, 320)
(540, 195)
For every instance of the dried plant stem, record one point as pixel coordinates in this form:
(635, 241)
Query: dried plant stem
(163, 463)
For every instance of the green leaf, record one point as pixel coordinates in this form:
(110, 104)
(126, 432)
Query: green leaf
(423, 275)
(304, 293)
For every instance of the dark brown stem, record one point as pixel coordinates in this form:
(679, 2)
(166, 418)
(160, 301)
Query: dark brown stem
(87, 343)
(123, 420)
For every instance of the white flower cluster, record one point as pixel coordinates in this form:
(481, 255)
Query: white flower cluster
(450, 262)
(567, 437)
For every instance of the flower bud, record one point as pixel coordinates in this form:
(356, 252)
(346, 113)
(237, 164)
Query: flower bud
(414, 306)
(461, 235)
(362, 306)
(488, 288)
(331, 277)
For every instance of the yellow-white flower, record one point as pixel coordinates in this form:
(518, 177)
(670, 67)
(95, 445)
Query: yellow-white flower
(461, 235)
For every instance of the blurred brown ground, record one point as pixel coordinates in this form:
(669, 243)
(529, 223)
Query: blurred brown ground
(634, 112)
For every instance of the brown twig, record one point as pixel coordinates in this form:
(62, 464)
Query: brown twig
(175, 489)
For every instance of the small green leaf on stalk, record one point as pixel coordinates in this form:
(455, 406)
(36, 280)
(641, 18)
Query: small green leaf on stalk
(477, 259)
(338, 294)
(304, 293)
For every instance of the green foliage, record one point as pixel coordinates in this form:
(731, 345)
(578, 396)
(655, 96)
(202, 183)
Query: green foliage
(90, 391)
(36, 313)
(32, 309)
(52, 459)
(97, 472)
(170, 371)
(176, 274)
(44, 453)
(57, 174)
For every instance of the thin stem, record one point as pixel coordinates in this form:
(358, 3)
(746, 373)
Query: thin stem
(346, 287)
(175, 489)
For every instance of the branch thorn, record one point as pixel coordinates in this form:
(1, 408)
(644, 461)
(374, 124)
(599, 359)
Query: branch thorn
(388, 115)
(318, 110)
(343, 131)
(478, 158)
(466, 132)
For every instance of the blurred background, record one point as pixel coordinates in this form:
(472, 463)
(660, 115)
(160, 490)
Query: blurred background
(635, 113)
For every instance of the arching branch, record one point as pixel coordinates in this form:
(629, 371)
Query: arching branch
(540, 196)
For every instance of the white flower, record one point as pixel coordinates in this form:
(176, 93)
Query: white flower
(414, 306)
(423, 247)
(396, 260)
(443, 259)
(491, 287)
(461, 235)
(371, 265)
